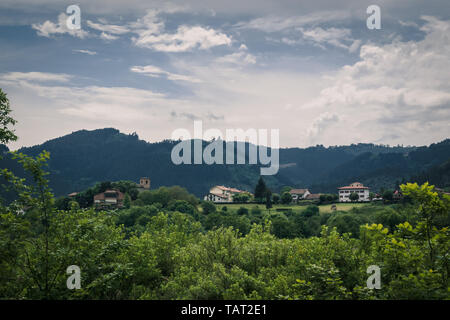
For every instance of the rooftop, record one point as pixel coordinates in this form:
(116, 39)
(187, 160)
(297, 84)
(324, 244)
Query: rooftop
(298, 191)
(354, 185)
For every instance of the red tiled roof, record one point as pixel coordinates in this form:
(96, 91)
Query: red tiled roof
(350, 187)
(354, 185)
(118, 195)
(231, 189)
(298, 191)
(218, 195)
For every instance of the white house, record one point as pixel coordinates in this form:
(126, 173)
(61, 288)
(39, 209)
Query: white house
(299, 194)
(355, 187)
(222, 194)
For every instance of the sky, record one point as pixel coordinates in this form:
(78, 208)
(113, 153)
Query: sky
(311, 69)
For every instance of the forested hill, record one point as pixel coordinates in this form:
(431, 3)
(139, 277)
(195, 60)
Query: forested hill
(80, 159)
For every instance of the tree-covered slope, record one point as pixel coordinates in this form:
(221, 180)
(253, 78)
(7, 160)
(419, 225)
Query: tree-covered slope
(80, 159)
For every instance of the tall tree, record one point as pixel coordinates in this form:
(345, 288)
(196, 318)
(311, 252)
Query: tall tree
(6, 134)
(127, 201)
(260, 190)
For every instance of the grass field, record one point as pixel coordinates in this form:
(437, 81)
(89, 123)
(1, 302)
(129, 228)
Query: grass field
(326, 208)
(341, 207)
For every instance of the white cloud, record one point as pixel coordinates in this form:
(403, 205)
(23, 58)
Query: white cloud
(241, 57)
(48, 28)
(321, 123)
(185, 38)
(333, 36)
(34, 77)
(108, 28)
(395, 90)
(153, 71)
(281, 23)
(88, 52)
(150, 31)
(108, 37)
(309, 28)
(337, 37)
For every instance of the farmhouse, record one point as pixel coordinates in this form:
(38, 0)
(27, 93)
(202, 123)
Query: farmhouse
(299, 194)
(110, 198)
(222, 194)
(355, 187)
(313, 196)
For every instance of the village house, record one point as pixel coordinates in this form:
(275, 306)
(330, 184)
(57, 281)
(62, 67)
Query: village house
(355, 187)
(313, 196)
(220, 194)
(109, 198)
(299, 194)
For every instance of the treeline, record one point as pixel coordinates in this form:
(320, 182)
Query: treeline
(83, 158)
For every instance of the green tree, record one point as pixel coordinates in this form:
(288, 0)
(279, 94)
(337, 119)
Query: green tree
(388, 195)
(182, 206)
(6, 133)
(286, 198)
(354, 196)
(285, 189)
(430, 207)
(208, 207)
(127, 201)
(260, 190)
(276, 198)
(241, 197)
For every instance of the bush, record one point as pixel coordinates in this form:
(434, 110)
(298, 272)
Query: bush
(181, 206)
(276, 198)
(311, 211)
(208, 207)
(256, 210)
(242, 211)
(286, 198)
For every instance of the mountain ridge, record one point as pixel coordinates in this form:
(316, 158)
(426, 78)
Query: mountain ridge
(82, 158)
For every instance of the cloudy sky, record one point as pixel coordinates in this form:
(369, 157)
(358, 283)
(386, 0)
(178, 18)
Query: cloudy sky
(311, 69)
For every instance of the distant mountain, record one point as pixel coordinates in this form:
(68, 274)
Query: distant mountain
(82, 158)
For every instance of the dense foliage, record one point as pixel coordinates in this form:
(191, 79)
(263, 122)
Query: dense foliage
(166, 248)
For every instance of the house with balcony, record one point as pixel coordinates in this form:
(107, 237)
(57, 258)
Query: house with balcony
(355, 187)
